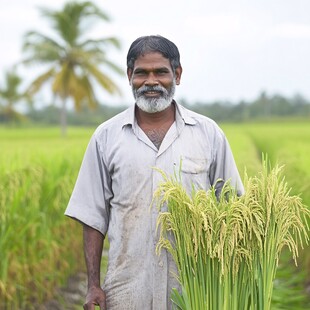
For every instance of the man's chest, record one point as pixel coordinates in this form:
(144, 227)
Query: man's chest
(132, 159)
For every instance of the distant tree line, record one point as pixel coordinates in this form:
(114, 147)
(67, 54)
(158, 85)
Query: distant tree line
(263, 108)
(84, 117)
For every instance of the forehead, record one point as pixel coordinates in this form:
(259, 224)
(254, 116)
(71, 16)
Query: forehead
(152, 60)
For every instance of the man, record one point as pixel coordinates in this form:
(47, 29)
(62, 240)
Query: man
(115, 186)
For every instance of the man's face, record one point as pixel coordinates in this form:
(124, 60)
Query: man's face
(153, 82)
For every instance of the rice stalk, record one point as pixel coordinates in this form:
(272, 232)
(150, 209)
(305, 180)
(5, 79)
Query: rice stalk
(226, 247)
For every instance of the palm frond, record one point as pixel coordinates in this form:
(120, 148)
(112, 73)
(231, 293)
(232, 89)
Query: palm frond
(32, 37)
(89, 92)
(11, 83)
(100, 43)
(68, 22)
(80, 89)
(10, 95)
(41, 48)
(113, 66)
(103, 79)
(61, 82)
(37, 84)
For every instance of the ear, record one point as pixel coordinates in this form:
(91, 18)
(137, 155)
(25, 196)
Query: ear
(178, 74)
(129, 75)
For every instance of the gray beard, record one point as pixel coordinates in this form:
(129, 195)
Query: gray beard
(153, 105)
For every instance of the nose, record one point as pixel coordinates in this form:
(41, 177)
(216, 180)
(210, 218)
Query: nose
(151, 79)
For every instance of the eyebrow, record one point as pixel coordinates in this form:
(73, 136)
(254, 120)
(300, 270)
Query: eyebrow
(140, 69)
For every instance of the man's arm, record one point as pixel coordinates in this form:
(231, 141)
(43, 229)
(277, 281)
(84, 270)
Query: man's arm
(223, 167)
(93, 245)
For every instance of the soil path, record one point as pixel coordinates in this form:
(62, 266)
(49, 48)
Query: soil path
(70, 297)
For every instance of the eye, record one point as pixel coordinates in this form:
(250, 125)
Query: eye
(139, 73)
(161, 71)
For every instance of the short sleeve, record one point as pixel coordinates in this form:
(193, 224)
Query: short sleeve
(223, 166)
(89, 202)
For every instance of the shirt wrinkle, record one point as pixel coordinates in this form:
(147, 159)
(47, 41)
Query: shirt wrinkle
(115, 188)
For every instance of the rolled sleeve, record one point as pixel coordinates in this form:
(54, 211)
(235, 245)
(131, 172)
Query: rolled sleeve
(89, 202)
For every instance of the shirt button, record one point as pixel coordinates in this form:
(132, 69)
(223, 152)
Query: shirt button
(161, 264)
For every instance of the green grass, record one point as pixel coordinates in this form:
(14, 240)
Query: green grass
(39, 247)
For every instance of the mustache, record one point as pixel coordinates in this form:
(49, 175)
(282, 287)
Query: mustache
(144, 89)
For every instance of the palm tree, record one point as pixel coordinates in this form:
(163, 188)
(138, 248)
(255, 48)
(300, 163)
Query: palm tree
(10, 95)
(72, 60)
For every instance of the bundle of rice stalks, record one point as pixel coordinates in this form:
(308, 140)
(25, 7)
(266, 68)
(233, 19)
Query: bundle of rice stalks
(227, 248)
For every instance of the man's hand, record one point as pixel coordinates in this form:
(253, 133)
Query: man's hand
(95, 296)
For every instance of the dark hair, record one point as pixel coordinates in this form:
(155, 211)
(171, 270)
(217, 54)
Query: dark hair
(147, 44)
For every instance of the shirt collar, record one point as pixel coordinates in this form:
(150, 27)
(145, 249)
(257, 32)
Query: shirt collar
(183, 114)
(129, 116)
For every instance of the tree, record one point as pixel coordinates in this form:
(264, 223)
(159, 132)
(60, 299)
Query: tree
(10, 95)
(73, 61)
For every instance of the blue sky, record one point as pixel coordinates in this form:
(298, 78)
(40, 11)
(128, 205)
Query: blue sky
(230, 50)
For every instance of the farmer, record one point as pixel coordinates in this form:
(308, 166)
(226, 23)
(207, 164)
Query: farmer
(115, 185)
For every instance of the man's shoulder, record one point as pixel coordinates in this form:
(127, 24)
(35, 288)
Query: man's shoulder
(116, 122)
(197, 117)
(202, 124)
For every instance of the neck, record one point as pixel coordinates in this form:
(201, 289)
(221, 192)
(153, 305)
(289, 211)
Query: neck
(156, 119)
(156, 125)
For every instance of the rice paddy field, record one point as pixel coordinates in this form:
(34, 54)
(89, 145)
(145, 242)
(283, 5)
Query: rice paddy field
(40, 247)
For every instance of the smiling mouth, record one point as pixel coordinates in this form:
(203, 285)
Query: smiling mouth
(152, 93)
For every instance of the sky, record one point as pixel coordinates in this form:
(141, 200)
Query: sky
(230, 50)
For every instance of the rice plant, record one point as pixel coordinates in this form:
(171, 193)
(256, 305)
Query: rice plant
(39, 246)
(227, 249)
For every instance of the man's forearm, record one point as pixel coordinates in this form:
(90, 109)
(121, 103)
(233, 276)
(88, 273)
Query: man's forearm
(93, 245)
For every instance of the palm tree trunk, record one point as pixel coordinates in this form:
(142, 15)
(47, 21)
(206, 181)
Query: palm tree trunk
(63, 118)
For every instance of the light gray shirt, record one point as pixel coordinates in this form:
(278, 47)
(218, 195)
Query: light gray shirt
(114, 191)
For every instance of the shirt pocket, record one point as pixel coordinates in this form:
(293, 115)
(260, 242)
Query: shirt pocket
(193, 165)
(195, 173)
